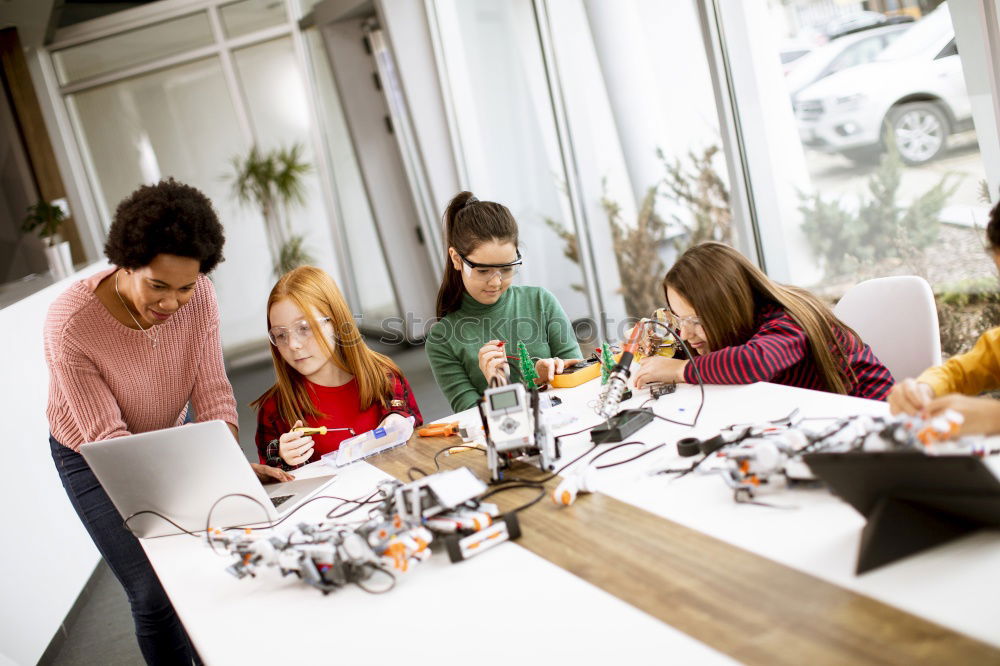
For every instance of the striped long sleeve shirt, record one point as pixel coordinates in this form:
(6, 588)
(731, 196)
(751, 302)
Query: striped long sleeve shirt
(778, 352)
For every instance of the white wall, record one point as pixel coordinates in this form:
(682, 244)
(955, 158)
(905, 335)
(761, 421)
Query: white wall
(47, 556)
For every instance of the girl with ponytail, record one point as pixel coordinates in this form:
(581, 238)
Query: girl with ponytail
(483, 315)
(744, 328)
(326, 374)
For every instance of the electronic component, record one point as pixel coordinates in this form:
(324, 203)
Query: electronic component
(575, 375)
(397, 536)
(613, 392)
(515, 427)
(584, 481)
(621, 426)
(394, 433)
(659, 389)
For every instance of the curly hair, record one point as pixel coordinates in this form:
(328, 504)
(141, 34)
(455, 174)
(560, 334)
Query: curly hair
(166, 218)
(993, 229)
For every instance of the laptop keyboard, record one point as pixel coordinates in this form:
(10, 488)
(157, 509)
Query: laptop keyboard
(280, 499)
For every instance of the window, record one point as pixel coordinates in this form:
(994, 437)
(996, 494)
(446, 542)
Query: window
(509, 139)
(131, 48)
(187, 104)
(878, 166)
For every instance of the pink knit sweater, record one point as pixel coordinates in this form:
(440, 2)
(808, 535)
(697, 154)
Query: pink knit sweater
(106, 380)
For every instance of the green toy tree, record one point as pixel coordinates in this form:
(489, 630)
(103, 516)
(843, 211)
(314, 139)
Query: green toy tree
(607, 362)
(528, 374)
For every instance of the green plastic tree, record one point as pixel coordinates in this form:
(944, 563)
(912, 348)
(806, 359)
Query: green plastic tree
(607, 362)
(528, 374)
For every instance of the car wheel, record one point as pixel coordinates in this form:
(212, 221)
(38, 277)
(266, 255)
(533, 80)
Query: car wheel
(921, 131)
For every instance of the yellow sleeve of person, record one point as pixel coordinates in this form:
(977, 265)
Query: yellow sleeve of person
(971, 373)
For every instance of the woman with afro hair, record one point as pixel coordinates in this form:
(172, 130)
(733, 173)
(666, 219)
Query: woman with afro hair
(128, 349)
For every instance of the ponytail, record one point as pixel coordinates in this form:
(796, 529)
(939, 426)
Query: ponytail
(469, 222)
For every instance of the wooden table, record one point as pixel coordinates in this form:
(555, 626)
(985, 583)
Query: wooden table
(746, 606)
(626, 575)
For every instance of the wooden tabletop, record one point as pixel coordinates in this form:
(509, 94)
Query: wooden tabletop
(744, 605)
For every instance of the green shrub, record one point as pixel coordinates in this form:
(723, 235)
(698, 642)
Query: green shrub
(844, 240)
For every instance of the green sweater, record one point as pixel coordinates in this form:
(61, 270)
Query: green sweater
(531, 315)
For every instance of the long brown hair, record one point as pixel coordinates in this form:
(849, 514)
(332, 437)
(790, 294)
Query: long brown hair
(727, 291)
(469, 222)
(315, 293)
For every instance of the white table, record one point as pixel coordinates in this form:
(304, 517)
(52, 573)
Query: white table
(956, 585)
(475, 611)
(510, 602)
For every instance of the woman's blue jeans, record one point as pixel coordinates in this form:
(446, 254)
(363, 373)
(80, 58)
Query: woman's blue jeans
(161, 635)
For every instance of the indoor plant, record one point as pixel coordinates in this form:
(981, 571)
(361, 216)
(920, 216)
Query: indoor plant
(46, 218)
(273, 182)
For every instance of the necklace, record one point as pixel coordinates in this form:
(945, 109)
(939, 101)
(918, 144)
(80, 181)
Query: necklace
(150, 334)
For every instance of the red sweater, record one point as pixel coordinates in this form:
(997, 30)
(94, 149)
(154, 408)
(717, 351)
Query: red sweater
(339, 406)
(778, 352)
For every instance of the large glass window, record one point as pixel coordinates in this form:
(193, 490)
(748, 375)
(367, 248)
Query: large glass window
(366, 257)
(893, 180)
(180, 123)
(894, 170)
(279, 111)
(190, 116)
(246, 16)
(503, 110)
(135, 47)
(658, 84)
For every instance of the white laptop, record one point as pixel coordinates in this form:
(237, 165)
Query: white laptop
(181, 472)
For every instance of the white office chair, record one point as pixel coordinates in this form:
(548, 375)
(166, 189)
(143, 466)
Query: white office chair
(897, 317)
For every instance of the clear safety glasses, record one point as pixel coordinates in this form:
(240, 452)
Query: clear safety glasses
(281, 336)
(677, 323)
(486, 272)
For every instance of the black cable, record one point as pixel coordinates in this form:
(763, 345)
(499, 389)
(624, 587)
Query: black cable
(526, 484)
(158, 515)
(697, 373)
(208, 518)
(388, 573)
(556, 473)
(437, 463)
(635, 457)
(358, 502)
(613, 448)
(268, 523)
(410, 471)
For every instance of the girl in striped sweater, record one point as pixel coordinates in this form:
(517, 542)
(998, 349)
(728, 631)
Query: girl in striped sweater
(742, 328)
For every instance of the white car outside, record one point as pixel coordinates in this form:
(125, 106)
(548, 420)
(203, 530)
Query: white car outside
(915, 88)
(851, 50)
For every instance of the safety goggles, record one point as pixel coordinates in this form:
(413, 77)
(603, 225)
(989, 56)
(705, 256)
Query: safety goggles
(677, 323)
(281, 336)
(486, 272)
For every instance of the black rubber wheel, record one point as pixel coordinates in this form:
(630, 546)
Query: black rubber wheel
(689, 446)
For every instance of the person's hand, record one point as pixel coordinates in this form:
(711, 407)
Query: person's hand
(659, 369)
(492, 361)
(268, 474)
(547, 368)
(909, 397)
(294, 448)
(982, 415)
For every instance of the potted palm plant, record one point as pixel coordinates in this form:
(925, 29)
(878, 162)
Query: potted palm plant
(46, 219)
(273, 182)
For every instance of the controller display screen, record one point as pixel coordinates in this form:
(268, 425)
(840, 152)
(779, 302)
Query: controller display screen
(504, 400)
